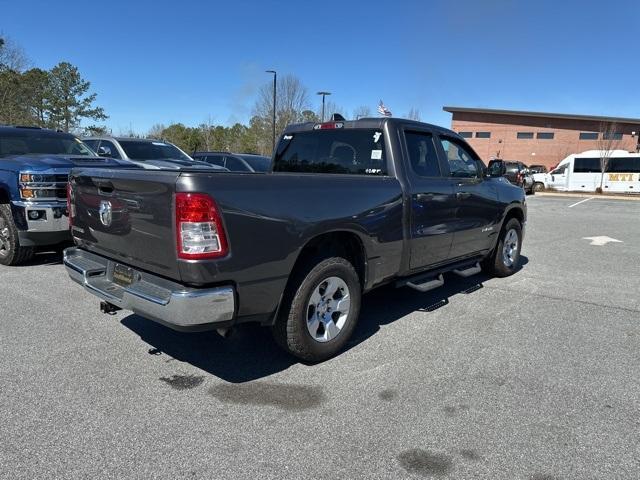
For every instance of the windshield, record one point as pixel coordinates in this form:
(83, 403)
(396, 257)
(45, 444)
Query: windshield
(38, 142)
(140, 150)
(257, 162)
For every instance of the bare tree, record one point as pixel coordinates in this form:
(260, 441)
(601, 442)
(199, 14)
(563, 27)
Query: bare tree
(206, 133)
(414, 114)
(362, 111)
(12, 56)
(292, 99)
(330, 108)
(609, 139)
(156, 131)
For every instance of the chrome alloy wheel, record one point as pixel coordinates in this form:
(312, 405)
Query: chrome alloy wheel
(510, 248)
(328, 309)
(5, 242)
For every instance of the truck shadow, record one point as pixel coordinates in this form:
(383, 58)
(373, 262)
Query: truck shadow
(250, 353)
(45, 257)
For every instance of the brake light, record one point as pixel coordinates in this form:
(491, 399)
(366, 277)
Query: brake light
(328, 125)
(199, 229)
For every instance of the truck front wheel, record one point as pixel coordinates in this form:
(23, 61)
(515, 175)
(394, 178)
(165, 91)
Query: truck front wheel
(320, 309)
(11, 253)
(538, 187)
(505, 259)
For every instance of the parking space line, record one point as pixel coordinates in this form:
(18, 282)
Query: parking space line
(581, 201)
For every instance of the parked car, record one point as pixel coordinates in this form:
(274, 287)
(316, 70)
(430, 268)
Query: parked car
(145, 152)
(537, 169)
(347, 207)
(519, 174)
(34, 168)
(236, 162)
(582, 172)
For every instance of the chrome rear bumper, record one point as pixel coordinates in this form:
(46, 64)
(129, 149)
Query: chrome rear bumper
(151, 296)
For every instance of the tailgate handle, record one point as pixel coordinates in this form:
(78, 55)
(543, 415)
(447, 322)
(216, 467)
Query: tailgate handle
(105, 186)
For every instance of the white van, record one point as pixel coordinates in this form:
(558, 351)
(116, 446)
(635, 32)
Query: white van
(581, 172)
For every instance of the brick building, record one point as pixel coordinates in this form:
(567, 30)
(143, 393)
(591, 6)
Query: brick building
(539, 138)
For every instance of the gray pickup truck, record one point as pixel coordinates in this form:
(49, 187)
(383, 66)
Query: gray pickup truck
(347, 207)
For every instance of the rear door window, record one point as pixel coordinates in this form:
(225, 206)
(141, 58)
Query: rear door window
(348, 151)
(213, 159)
(235, 165)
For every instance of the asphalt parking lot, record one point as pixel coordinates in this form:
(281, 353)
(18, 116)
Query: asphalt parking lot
(530, 377)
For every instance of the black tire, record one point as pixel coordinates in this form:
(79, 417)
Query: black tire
(290, 330)
(496, 264)
(538, 187)
(11, 253)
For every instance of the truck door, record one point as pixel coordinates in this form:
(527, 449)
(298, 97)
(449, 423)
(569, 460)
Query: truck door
(558, 178)
(432, 202)
(478, 210)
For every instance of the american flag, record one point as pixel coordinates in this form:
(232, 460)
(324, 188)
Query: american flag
(384, 111)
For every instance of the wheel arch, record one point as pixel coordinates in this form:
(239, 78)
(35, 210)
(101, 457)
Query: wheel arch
(344, 243)
(4, 195)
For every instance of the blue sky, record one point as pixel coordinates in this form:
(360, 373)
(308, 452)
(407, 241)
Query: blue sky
(163, 62)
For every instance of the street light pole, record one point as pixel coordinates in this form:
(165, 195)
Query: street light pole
(323, 95)
(273, 120)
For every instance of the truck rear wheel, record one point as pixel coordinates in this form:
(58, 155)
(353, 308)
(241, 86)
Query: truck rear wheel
(320, 310)
(11, 253)
(505, 259)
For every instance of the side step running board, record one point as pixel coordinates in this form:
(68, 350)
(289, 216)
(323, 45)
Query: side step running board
(467, 272)
(428, 285)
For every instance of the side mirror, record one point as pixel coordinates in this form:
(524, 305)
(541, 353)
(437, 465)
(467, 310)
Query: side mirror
(497, 168)
(104, 151)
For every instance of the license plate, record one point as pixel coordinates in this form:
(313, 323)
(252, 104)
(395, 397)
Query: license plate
(122, 275)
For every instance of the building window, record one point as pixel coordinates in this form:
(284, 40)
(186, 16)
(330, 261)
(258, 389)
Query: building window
(524, 135)
(612, 136)
(483, 134)
(466, 134)
(544, 135)
(588, 135)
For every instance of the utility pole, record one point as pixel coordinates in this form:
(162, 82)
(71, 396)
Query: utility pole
(323, 95)
(273, 120)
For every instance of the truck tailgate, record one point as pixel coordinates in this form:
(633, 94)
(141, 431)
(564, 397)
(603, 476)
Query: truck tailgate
(127, 215)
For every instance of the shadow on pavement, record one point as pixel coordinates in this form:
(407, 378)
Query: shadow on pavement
(44, 257)
(250, 353)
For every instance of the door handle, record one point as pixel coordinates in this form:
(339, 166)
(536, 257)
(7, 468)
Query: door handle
(462, 195)
(424, 197)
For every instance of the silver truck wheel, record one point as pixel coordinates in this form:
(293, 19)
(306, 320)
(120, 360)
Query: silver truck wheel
(510, 248)
(11, 252)
(5, 239)
(328, 309)
(319, 309)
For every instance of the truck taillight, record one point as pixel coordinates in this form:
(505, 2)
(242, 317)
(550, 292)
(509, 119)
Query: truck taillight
(199, 229)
